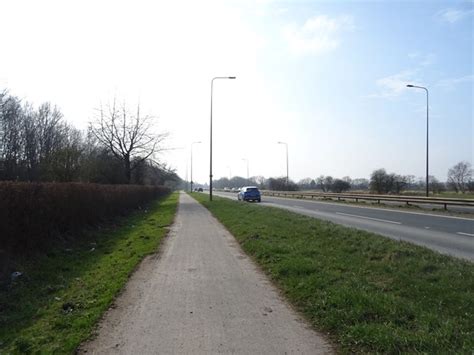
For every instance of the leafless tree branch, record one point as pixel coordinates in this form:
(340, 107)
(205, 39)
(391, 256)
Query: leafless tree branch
(128, 137)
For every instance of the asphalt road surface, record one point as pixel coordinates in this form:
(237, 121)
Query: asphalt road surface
(202, 295)
(445, 234)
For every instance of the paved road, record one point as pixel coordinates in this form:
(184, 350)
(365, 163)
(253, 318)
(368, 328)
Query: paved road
(422, 206)
(202, 295)
(445, 234)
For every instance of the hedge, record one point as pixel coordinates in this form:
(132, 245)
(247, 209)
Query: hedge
(32, 215)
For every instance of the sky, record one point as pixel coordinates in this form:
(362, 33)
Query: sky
(326, 77)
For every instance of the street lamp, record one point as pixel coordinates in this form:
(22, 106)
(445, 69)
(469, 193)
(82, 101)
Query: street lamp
(427, 130)
(247, 168)
(287, 176)
(192, 163)
(210, 160)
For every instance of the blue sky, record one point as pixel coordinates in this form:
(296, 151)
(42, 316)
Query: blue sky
(357, 85)
(326, 77)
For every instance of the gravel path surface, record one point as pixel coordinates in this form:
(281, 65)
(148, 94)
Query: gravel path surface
(202, 295)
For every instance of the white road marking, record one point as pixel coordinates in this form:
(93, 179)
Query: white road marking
(468, 234)
(380, 209)
(427, 227)
(373, 219)
(294, 208)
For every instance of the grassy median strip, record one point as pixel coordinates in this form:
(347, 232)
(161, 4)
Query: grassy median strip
(369, 293)
(57, 301)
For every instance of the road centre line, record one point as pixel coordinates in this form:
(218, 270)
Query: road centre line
(297, 208)
(373, 219)
(468, 234)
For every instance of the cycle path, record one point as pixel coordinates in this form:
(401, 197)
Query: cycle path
(202, 295)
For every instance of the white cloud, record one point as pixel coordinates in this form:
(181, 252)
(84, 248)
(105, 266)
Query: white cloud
(423, 60)
(394, 85)
(450, 83)
(319, 34)
(428, 60)
(453, 15)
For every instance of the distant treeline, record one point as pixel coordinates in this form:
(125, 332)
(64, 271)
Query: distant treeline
(460, 179)
(38, 145)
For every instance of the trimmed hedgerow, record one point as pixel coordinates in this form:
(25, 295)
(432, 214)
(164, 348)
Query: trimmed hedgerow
(32, 215)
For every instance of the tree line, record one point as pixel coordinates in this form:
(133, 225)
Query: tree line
(459, 179)
(38, 145)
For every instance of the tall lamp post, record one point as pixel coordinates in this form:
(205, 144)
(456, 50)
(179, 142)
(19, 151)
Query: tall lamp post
(247, 168)
(427, 130)
(192, 163)
(287, 175)
(210, 163)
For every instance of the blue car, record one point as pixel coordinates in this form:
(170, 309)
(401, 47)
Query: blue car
(249, 193)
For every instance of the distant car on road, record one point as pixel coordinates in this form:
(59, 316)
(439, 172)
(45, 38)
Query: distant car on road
(200, 189)
(249, 193)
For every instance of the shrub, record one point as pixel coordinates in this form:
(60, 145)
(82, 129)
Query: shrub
(32, 215)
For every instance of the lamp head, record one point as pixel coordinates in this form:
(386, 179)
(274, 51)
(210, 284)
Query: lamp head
(410, 86)
(232, 77)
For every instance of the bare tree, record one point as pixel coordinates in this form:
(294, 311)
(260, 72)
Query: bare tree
(30, 143)
(360, 184)
(280, 184)
(435, 186)
(127, 136)
(10, 137)
(340, 185)
(48, 129)
(66, 160)
(459, 176)
(380, 181)
(306, 184)
(258, 180)
(324, 183)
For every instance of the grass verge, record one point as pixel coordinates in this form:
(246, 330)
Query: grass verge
(59, 298)
(369, 293)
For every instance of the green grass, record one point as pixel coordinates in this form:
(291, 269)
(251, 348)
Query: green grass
(467, 195)
(369, 293)
(55, 305)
